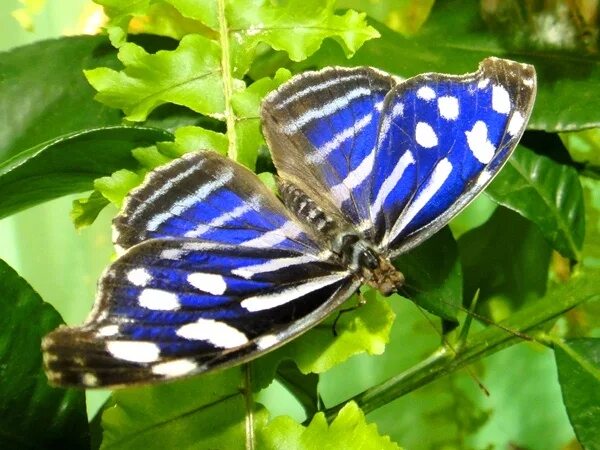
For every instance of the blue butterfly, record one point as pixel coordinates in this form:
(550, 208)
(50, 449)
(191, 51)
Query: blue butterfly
(215, 270)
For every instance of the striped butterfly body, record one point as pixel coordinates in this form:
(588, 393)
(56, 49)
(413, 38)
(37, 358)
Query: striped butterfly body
(214, 269)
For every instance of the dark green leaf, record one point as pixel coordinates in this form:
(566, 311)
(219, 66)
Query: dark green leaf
(507, 260)
(547, 193)
(455, 38)
(433, 275)
(302, 386)
(33, 415)
(578, 363)
(44, 94)
(206, 412)
(69, 164)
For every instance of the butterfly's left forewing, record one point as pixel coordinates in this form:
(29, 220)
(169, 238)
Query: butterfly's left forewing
(169, 308)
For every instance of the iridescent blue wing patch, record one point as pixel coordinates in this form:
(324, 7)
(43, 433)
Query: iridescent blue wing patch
(322, 131)
(442, 139)
(171, 307)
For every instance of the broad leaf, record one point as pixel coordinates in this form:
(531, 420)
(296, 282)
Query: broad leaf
(348, 430)
(433, 275)
(207, 411)
(32, 414)
(506, 260)
(547, 193)
(43, 97)
(578, 363)
(68, 164)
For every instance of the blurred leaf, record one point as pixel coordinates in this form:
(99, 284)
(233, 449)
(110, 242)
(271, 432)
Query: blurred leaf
(365, 329)
(507, 260)
(116, 186)
(32, 414)
(348, 430)
(302, 386)
(246, 105)
(404, 16)
(433, 275)
(455, 39)
(68, 164)
(44, 98)
(578, 363)
(207, 411)
(547, 193)
(188, 76)
(584, 148)
(591, 244)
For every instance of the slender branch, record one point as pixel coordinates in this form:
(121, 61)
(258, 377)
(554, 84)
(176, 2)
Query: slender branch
(227, 80)
(579, 289)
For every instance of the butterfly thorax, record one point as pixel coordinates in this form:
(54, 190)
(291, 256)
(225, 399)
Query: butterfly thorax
(348, 246)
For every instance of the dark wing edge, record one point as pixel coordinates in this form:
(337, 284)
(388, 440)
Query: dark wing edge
(521, 82)
(98, 355)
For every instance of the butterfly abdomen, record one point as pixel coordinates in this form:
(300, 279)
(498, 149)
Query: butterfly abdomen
(305, 208)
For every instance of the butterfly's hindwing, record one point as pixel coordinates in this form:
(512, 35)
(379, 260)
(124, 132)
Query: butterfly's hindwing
(179, 300)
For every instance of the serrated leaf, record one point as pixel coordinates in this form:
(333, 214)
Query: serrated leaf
(32, 414)
(85, 210)
(116, 186)
(49, 99)
(246, 105)
(506, 260)
(455, 39)
(68, 164)
(189, 75)
(364, 329)
(434, 275)
(349, 430)
(296, 26)
(547, 193)
(578, 363)
(193, 139)
(207, 411)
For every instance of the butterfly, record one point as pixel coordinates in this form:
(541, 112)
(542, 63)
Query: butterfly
(215, 269)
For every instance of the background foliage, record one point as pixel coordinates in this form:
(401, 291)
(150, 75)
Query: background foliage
(93, 114)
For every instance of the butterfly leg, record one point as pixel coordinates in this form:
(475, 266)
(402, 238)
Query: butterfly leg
(361, 302)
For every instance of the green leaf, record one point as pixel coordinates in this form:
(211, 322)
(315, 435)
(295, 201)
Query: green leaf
(192, 139)
(246, 105)
(207, 411)
(349, 430)
(365, 329)
(584, 148)
(32, 414)
(116, 186)
(304, 387)
(433, 275)
(86, 210)
(591, 247)
(506, 260)
(44, 98)
(189, 75)
(296, 26)
(455, 38)
(68, 164)
(578, 363)
(547, 193)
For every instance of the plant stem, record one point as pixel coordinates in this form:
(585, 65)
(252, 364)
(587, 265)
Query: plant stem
(227, 80)
(557, 301)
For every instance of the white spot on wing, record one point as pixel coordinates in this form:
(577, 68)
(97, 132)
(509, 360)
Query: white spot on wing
(390, 182)
(208, 282)
(341, 191)
(516, 123)
(500, 100)
(274, 237)
(276, 264)
(272, 300)
(224, 218)
(217, 333)
(448, 107)
(158, 299)
(134, 351)
(267, 341)
(478, 142)
(108, 330)
(89, 379)
(426, 93)
(175, 368)
(483, 83)
(425, 136)
(139, 276)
